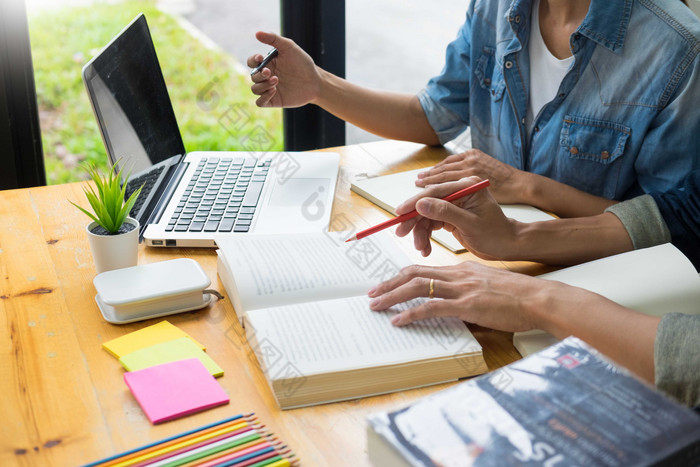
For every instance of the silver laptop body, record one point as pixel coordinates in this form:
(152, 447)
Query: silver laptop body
(189, 199)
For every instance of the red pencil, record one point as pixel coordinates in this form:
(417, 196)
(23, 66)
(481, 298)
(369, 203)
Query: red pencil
(410, 215)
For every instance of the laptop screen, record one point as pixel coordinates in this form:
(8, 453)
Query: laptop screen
(131, 102)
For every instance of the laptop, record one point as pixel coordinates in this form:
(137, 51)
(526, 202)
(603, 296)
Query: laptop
(187, 200)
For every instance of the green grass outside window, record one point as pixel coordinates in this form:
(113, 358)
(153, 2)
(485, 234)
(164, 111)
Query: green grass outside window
(210, 93)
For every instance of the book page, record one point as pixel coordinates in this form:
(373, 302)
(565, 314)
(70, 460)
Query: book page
(389, 191)
(344, 334)
(655, 281)
(274, 270)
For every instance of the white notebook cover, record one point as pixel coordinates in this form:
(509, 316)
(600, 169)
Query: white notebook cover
(388, 191)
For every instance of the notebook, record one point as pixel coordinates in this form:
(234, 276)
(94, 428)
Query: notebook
(389, 191)
(188, 198)
(655, 281)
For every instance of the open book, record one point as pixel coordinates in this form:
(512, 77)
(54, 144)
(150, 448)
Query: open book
(389, 191)
(654, 281)
(303, 301)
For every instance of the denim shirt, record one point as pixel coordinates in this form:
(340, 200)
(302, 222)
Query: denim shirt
(626, 119)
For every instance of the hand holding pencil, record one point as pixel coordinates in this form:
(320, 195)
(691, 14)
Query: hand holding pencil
(476, 221)
(286, 77)
(409, 211)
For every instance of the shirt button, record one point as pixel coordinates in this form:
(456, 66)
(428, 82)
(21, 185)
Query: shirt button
(517, 19)
(523, 121)
(493, 92)
(605, 155)
(537, 129)
(573, 150)
(487, 82)
(508, 64)
(577, 36)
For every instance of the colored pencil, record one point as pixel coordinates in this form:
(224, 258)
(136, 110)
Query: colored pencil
(258, 455)
(238, 441)
(242, 460)
(410, 215)
(196, 443)
(278, 461)
(218, 458)
(209, 449)
(178, 444)
(109, 460)
(252, 461)
(243, 449)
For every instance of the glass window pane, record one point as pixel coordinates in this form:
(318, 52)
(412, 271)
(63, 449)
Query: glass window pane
(208, 87)
(397, 45)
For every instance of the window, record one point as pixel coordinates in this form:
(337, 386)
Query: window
(398, 46)
(209, 89)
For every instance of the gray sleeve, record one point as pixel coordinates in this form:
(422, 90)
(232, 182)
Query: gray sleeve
(644, 223)
(677, 357)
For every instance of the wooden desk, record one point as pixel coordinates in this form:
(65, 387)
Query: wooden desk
(64, 401)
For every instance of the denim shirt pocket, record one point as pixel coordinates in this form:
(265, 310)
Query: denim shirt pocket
(489, 75)
(594, 140)
(590, 154)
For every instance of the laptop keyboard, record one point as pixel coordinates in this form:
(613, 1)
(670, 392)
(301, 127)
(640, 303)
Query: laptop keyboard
(221, 196)
(148, 180)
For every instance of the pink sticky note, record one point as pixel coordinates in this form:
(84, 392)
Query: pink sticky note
(175, 389)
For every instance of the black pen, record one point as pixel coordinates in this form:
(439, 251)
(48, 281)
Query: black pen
(270, 55)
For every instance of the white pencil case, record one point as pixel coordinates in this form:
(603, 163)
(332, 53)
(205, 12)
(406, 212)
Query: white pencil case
(152, 290)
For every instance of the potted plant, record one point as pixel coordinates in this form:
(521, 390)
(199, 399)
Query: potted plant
(113, 236)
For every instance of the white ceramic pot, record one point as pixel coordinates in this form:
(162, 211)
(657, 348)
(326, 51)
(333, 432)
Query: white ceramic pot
(114, 251)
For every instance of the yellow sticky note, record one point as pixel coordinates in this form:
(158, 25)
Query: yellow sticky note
(155, 334)
(166, 352)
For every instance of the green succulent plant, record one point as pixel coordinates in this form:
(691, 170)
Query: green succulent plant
(107, 199)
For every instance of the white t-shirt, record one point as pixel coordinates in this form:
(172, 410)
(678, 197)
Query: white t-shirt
(546, 70)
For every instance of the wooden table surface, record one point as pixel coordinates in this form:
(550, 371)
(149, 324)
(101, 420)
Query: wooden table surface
(64, 401)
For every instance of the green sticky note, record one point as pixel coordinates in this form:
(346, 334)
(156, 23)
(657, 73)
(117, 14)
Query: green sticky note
(169, 351)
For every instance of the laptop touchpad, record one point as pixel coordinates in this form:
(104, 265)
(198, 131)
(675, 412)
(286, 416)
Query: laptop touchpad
(299, 191)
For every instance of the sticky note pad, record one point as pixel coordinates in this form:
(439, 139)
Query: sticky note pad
(175, 389)
(169, 351)
(155, 334)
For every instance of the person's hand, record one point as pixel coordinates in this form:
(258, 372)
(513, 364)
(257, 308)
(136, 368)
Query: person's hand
(507, 184)
(476, 221)
(493, 298)
(290, 80)
(512, 302)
